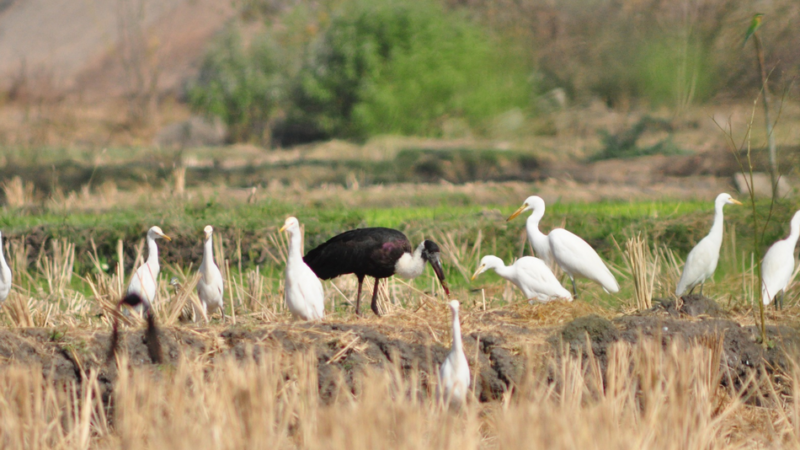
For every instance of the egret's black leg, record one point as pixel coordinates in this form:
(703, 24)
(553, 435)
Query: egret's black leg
(702, 283)
(574, 289)
(358, 296)
(691, 290)
(779, 300)
(375, 297)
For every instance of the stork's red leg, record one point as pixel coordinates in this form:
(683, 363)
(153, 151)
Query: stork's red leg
(358, 296)
(375, 297)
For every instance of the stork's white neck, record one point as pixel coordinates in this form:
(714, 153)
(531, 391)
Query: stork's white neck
(410, 266)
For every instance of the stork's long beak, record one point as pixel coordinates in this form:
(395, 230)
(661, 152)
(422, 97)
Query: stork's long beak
(516, 213)
(436, 263)
(735, 202)
(477, 272)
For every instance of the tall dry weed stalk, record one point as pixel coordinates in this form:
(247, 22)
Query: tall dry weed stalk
(644, 266)
(58, 268)
(463, 256)
(746, 168)
(179, 180)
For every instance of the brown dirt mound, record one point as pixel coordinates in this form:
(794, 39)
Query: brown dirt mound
(343, 350)
(742, 350)
(692, 305)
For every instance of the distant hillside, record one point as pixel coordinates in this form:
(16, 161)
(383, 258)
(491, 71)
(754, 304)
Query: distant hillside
(76, 44)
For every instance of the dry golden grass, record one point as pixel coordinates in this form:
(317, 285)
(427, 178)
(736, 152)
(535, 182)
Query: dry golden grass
(650, 397)
(644, 396)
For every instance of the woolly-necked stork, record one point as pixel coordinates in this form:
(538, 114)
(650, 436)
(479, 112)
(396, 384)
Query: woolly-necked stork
(377, 252)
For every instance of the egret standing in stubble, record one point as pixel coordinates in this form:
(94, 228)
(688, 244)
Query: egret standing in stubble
(702, 260)
(454, 373)
(210, 288)
(305, 297)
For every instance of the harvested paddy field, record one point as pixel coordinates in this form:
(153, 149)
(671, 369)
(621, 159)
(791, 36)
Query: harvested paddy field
(558, 374)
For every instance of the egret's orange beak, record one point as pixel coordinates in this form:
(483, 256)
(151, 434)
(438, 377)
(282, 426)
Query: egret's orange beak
(516, 213)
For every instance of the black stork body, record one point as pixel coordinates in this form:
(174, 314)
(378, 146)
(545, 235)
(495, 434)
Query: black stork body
(377, 252)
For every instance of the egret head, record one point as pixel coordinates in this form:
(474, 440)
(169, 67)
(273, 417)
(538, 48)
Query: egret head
(207, 232)
(454, 306)
(156, 233)
(725, 199)
(291, 225)
(532, 203)
(431, 253)
(487, 262)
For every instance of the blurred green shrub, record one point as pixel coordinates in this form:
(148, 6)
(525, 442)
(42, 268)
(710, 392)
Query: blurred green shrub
(242, 86)
(405, 67)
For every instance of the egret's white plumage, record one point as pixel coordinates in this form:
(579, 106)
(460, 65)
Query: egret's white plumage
(144, 281)
(702, 260)
(5, 274)
(528, 273)
(454, 373)
(578, 259)
(304, 294)
(209, 287)
(538, 240)
(778, 264)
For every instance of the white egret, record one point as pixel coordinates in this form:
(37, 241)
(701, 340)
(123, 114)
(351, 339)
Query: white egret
(303, 290)
(144, 282)
(5, 274)
(528, 273)
(702, 260)
(209, 287)
(538, 240)
(578, 259)
(778, 264)
(454, 372)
